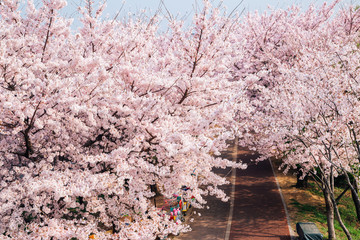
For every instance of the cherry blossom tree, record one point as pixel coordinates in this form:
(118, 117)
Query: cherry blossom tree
(96, 122)
(302, 87)
(91, 120)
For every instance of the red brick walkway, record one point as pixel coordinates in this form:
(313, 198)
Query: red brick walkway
(258, 212)
(258, 209)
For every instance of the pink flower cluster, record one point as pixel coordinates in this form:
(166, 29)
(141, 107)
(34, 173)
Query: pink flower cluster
(92, 120)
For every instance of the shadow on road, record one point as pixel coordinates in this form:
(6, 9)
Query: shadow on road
(258, 212)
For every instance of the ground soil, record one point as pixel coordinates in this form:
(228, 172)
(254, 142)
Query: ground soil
(287, 183)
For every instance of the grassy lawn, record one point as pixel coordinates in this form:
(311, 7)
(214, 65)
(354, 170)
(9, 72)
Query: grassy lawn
(308, 205)
(316, 213)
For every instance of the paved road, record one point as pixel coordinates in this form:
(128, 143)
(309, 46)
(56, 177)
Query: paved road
(258, 212)
(212, 223)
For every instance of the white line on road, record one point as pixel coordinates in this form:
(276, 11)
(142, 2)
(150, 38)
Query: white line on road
(232, 196)
(283, 201)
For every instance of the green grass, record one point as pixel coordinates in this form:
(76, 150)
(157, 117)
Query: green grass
(348, 214)
(316, 214)
(314, 189)
(309, 213)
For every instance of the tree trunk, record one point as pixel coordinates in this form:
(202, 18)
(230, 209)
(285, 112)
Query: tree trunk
(329, 189)
(329, 211)
(301, 181)
(355, 197)
(354, 193)
(338, 217)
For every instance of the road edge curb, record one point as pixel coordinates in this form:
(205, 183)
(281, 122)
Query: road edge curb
(291, 231)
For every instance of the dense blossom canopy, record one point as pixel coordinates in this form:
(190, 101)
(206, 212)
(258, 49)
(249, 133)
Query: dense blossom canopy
(93, 120)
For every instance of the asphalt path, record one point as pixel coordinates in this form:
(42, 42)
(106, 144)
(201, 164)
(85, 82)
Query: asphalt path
(257, 214)
(259, 211)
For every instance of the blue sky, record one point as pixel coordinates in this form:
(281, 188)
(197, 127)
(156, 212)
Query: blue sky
(184, 6)
(181, 8)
